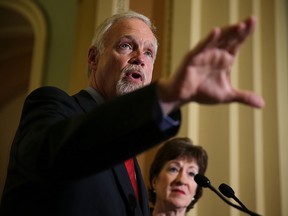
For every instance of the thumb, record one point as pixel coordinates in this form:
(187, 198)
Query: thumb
(250, 98)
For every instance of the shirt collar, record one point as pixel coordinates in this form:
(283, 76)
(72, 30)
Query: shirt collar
(95, 95)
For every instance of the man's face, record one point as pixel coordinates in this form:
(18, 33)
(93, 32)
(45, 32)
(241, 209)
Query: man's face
(127, 61)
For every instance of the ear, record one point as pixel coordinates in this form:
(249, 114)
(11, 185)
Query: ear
(154, 182)
(92, 57)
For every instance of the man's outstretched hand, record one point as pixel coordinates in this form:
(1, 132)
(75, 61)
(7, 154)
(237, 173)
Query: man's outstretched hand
(204, 74)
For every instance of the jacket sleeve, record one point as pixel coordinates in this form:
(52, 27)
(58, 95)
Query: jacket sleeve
(56, 138)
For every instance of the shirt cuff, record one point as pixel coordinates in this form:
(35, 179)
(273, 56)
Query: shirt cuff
(168, 123)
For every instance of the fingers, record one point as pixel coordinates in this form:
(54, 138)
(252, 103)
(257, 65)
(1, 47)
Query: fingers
(232, 37)
(203, 45)
(207, 42)
(229, 38)
(215, 59)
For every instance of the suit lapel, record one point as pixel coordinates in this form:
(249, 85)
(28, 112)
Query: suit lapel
(143, 198)
(123, 179)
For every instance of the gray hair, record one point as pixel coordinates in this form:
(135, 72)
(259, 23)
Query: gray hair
(99, 38)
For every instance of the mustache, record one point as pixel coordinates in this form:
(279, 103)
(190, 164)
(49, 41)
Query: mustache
(132, 68)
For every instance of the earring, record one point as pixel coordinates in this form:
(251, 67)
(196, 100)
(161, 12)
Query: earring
(193, 199)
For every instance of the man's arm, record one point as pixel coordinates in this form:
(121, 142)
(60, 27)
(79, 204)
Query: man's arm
(57, 138)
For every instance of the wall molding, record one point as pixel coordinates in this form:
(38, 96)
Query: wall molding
(35, 16)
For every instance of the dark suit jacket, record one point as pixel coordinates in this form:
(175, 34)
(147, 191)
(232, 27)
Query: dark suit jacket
(66, 158)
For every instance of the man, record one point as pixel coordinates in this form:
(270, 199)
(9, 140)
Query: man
(71, 154)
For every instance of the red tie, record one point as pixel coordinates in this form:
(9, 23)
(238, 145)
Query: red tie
(131, 172)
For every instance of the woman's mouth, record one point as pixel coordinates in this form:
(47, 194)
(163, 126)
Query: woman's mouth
(178, 191)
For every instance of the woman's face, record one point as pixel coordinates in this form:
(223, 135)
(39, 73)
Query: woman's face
(175, 186)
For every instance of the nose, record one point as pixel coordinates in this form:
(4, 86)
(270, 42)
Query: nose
(138, 58)
(181, 178)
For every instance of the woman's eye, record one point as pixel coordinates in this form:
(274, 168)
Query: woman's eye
(191, 174)
(173, 169)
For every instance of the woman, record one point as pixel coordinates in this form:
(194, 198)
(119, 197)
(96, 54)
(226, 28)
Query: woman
(173, 190)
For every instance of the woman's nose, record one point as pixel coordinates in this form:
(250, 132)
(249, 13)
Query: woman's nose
(182, 178)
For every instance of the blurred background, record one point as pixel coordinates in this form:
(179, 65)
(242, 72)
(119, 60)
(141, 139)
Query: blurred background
(46, 43)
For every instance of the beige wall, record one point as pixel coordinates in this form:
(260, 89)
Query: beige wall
(247, 148)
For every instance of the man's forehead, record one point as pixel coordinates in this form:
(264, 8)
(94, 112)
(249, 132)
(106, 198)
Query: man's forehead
(131, 24)
(131, 28)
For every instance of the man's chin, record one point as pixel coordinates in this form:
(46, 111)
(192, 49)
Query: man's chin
(128, 87)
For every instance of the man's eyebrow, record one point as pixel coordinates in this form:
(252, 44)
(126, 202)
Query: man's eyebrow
(150, 44)
(127, 37)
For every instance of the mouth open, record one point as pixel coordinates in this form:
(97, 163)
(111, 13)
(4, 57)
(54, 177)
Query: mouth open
(135, 76)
